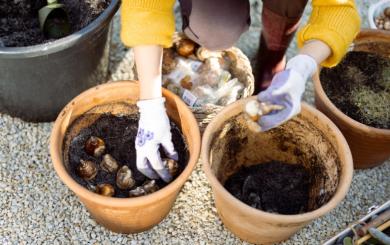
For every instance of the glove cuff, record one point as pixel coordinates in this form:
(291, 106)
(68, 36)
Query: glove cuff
(152, 104)
(303, 64)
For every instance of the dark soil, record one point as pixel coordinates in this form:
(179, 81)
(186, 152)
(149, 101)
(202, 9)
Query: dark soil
(119, 134)
(360, 87)
(19, 24)
(273, 187)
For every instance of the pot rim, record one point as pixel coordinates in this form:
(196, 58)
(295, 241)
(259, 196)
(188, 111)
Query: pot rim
(62, 43)
(319, 90)
(339, 195)
(84, 193)
(367, 33)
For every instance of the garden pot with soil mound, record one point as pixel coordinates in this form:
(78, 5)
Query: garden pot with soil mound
(305, 163)
(83, 114)
(38, 76)
(370, 144)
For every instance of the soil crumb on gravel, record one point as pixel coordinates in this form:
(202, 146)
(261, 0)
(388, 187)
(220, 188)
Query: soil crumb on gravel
(274, 187)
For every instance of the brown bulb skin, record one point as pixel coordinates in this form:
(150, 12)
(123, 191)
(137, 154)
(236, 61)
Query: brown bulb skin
(105, 190)
(124, 178)
(109, 164)
(86, 169)
(95, 146)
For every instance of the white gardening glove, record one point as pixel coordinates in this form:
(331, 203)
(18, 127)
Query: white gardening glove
(153, 130)
(286, 89)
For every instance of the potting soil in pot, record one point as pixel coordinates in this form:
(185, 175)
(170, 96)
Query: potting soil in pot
(273, 187)
(19, 23)
(360, 87)
(118, 133)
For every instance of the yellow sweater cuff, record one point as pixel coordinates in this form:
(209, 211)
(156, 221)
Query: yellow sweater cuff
(337, 26)
(147, 22)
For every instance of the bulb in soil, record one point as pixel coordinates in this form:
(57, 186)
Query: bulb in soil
(185, 47)
(124, 178)
(105, 190)
(109, 164)
(95, 146)
(150, 186)
(139, 191)
(86, 169)
(171, 165)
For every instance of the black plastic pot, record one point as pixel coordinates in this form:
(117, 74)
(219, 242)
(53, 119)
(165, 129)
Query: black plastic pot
(36, 82)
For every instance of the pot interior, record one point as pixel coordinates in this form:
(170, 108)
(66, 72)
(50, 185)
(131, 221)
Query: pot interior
(122, 108)
(88, 118)
(300, 141)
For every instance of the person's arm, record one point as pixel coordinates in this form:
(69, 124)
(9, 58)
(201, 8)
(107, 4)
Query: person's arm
(153, 128)
(148, 60)
(316, 49)
(148, 26)
(323, 41)
(333, 22)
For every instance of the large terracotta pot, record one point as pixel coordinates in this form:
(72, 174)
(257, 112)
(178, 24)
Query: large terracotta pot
(370, 146)
(310, 139)
(125, 215)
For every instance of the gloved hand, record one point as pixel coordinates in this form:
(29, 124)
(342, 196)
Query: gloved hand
(153, 130)
(286, 89)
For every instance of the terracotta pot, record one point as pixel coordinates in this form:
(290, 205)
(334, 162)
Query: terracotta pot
(370, 146)
(125, 215)
(310, 139)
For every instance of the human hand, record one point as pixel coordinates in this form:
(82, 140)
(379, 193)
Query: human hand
(286, 89)
(153, 130)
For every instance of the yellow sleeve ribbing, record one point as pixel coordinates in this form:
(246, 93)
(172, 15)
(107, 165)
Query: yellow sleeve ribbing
(335, 22)
(147, 22)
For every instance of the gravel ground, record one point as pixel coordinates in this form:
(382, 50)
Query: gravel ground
(36, 208)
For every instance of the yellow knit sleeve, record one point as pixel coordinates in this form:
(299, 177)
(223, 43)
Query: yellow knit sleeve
(146, 22)
(336, 23)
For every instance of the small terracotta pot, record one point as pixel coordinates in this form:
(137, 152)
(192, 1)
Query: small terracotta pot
(370, 146)
(310, 139)
(125, 215)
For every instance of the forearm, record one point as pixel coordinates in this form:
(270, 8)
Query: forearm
(335, 23)
(148, 60)
(316, 49)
